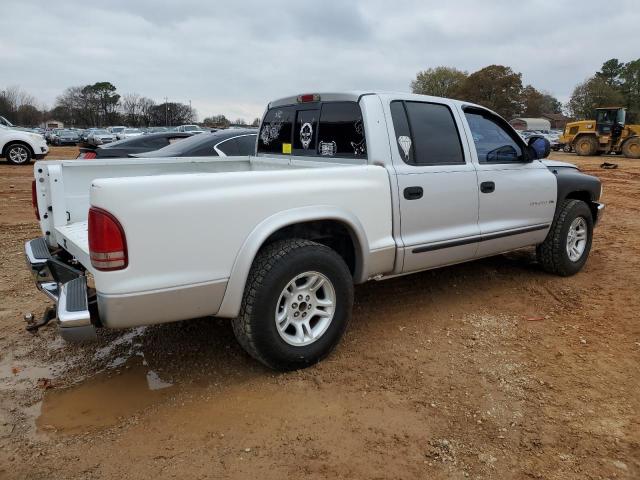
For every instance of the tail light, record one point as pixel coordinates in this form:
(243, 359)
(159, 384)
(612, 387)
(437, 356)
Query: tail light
(89, 155)
(107, 243)
(34, 199)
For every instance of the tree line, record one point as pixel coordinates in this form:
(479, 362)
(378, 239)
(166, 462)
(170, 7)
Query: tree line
(500, 88)
(497, 87)
(100, 105)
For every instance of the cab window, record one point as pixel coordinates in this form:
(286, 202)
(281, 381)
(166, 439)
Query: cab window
(494, 143)
(341, 131)
(426, 133)
(275, 133)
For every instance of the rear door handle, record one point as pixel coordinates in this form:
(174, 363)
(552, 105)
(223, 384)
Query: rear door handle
(487, 187)
(413, 193)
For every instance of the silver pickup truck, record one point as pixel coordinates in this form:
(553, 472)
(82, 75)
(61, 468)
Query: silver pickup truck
(343, 188)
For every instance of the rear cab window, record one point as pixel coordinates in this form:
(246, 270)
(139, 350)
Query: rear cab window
(426, 133)
(317, 129)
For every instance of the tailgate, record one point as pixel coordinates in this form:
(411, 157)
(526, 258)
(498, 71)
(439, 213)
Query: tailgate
(74, 239)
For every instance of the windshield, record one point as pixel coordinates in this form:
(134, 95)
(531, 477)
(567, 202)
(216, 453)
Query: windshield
(191, 128)
(117, 129)
(101, 132)
(132, 130)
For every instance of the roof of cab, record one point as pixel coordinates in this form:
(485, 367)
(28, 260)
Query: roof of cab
(354, 96)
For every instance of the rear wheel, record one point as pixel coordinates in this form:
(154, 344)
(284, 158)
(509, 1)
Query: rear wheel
(18, 154)
(296, 305)
(586, 146)
(568, 243)
(631, 148)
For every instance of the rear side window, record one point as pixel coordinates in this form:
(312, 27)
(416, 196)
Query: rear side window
(247, 145)
(426, 134)
(155, 142)
(244, 145)
(341, 131)
(275, 133)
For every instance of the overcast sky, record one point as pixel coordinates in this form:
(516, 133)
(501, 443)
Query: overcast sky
(232, 57)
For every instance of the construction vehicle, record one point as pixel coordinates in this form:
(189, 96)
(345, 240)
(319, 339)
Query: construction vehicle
(608, 133)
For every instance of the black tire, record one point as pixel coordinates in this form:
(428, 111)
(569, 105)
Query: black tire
(273, 269)
(631, 148)
(18, 154)
(567, 148)
(586, 146)
(552, 253)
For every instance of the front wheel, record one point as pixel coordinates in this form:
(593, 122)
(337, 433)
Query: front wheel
(586, 146)
(18, 154)
(296, 305)
(568, 243)
(567, 148)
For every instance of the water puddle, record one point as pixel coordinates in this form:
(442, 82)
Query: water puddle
(103, 400)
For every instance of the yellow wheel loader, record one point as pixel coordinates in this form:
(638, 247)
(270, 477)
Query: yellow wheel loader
(608, 133)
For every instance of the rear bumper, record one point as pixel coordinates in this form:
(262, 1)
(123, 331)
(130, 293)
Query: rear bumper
(66, 286)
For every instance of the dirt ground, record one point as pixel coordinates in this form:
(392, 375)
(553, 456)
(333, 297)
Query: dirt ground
(491, 369)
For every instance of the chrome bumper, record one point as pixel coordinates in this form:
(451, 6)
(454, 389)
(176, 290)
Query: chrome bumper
(66, 286)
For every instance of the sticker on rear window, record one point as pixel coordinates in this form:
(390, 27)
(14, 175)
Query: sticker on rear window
(286, 148)
(328, 149)
(306, 133)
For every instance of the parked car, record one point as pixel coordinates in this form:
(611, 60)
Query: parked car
(141, 144)
(224, 143)
(50, 136)
(18, 147)
(100, 136)
(66, 137)
(128, 133)
(116, 130)
(276, 241)
(190, 129)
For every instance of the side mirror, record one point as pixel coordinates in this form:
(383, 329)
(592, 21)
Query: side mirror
(538, 147)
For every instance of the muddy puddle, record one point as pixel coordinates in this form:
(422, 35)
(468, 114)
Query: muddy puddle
(102, 400)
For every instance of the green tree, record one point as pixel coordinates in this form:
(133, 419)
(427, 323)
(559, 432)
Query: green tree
(611, 71)
(630, 88)
(496, 87)
(593, 93)
(535, 103)
(439, 81)
(104, 100)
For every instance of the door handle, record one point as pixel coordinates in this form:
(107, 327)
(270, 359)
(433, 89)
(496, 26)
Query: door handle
(487, 187)
(413, 193)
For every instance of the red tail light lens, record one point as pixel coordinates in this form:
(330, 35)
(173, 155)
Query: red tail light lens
(107, 243)
(89, 155)
(34, 198)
